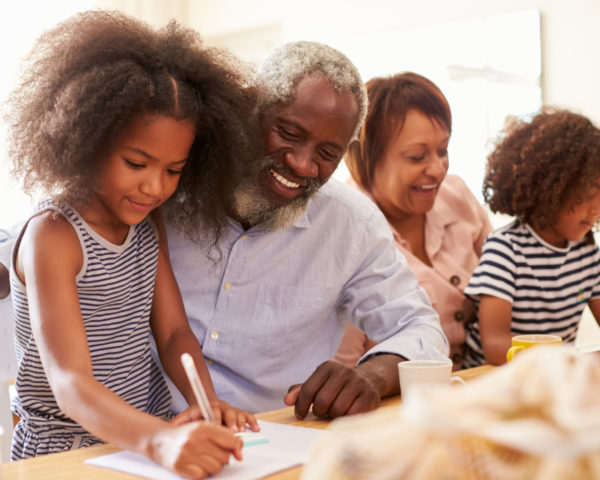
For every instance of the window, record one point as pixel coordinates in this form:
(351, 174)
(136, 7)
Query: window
(19, 28)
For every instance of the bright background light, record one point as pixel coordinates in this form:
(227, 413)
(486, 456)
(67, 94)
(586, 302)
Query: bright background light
(484, 80)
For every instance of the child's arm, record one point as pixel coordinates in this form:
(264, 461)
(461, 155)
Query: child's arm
(595, 309)
(174, 337)
(48, 261)
(4, 282)
(495, 317)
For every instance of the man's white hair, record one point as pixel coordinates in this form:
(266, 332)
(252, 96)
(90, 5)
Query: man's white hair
(287, 65)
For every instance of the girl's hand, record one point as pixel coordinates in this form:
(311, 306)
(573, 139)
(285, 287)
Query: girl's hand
(190, 414)
(195, 450)
(234, 418)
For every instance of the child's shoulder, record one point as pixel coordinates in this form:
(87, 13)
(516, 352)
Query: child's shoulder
(49, 222)
(512, 238)
(49, 230)
(511, 232)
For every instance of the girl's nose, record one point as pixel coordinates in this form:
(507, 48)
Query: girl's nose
(152, 185)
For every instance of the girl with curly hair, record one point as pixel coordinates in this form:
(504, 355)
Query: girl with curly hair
(536, 275)
(112, 120)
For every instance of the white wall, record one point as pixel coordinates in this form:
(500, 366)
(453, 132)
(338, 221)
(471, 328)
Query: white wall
(570, 37)
(570, 33)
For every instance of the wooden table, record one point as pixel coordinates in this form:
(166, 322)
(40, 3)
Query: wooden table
(70, 466)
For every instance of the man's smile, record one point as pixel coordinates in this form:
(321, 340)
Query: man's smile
(281, 179)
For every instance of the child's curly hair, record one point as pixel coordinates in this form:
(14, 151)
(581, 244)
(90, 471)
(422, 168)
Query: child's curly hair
(541, 166)
(94, 73)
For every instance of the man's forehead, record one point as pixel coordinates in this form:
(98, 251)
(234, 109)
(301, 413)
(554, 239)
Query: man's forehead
(318, 91)
(320, 111)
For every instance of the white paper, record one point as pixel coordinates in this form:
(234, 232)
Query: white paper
(288, 447)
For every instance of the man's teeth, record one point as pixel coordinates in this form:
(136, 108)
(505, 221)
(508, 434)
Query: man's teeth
(427, 187)
(283, 180)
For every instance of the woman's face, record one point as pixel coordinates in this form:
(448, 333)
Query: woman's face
(415, 162)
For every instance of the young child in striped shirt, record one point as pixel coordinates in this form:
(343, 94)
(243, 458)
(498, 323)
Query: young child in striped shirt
(108, 118)
(537, 274)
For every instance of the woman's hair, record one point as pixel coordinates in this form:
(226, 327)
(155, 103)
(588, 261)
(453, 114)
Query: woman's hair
(89, 77)
(390, 98)
(542, 165)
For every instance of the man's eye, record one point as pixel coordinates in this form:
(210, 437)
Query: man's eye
(174, 172)
(287, 134)
(416, 158)
(326, 154)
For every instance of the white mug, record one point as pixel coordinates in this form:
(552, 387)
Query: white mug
(423, 372)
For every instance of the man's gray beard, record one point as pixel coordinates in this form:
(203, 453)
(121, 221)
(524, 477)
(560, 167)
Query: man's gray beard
(251, 206)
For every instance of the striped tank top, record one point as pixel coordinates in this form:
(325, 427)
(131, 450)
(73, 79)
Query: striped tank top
(115, 286)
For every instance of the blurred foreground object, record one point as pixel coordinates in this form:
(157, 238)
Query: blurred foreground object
(535, 418)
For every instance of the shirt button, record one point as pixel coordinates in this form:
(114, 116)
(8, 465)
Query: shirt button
(459, 316)
(214, 335)
(243, 237)
(227, 286)
(454, 280)
(209, 361)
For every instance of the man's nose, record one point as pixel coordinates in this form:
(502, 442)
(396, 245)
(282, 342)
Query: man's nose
(302, 162)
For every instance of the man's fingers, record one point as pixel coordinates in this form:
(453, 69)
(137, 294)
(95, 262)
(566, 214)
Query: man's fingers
(292, 395)
(297, 386)
(312, 386)
(336, 395)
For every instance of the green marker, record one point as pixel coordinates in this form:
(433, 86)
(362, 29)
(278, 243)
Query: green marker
(252, 438)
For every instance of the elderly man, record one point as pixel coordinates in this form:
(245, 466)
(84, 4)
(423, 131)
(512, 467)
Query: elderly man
(301, 256)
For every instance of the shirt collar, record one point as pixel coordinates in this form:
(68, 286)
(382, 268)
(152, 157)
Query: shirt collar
(437, 220)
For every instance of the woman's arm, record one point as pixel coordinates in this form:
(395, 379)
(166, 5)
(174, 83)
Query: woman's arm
(495, 318)
(48, 261)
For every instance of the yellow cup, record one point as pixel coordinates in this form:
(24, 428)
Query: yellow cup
(520, 342)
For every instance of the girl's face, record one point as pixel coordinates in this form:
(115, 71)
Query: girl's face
(415, 162)
(574, 222)
(141, 171)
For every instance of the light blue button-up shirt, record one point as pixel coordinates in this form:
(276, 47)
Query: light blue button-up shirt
(275, 304)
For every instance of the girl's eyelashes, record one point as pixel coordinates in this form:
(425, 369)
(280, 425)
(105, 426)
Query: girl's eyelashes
(134, 165)
(138, 166)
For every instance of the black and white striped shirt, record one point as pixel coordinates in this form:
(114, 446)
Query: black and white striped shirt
(115, 286)
(547, 286)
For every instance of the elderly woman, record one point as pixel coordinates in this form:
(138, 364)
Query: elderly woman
(401, 162)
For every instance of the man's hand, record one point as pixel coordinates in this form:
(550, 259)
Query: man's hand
(335, 389)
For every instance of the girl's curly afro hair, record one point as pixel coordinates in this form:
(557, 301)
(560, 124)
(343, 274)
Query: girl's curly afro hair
(94, 73)
(542, 165)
